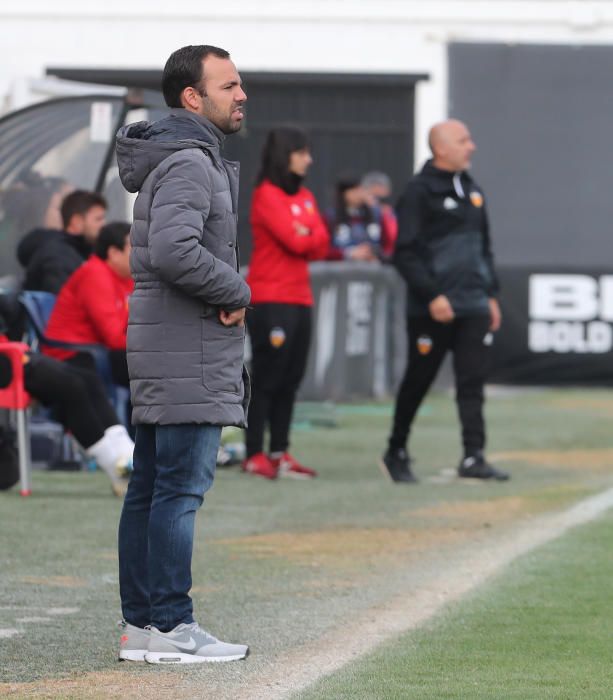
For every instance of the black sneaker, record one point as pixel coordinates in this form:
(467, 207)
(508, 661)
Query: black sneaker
(476, 467)
(397, 465)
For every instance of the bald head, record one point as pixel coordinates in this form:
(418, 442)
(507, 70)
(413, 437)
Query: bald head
(451, 145)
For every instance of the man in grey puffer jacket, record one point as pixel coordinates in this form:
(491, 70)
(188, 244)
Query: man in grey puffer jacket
(185, 347)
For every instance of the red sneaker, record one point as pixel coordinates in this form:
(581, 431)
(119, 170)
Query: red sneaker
(287, 466)
(260, 465)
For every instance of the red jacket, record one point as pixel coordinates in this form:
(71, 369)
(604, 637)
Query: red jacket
(92, 307)
(288, 232)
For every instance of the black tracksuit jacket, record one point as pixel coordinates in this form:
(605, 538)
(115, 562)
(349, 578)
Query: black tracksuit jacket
(443, 244)
(49, 257)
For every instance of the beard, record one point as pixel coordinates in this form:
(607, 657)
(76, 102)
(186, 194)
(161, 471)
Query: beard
(222, 119)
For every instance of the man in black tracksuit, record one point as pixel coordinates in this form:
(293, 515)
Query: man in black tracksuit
(50, 256)
(443, 252)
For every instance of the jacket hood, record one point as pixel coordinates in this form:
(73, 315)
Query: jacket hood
(142, 146)
(32, 241)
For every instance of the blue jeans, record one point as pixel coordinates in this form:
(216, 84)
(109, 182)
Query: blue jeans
(174, 466)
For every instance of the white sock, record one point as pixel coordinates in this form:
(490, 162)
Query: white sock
(124, 443)
(106, 454)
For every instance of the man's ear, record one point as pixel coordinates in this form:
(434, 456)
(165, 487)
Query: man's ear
(76, 221)
(190, 98)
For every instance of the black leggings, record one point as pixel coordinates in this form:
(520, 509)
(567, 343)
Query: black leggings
(470, 341)
(75, 394)
(280, 336)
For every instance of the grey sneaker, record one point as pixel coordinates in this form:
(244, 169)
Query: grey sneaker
(189, 644)
(133, 643)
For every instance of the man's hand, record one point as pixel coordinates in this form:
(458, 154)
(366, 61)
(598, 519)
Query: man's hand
(495, 315)
(441, 310)
(362, 252)
(232, 318)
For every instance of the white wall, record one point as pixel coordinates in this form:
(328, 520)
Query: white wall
(391, 36)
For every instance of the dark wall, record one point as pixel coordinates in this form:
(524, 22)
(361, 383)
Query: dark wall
(356, 123)
(541, 118)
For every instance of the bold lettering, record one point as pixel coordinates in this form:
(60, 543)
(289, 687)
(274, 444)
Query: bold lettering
(538, 336)
(562, 337)
(563, 297)
(606, 298)
(570, 336)
(599, 336)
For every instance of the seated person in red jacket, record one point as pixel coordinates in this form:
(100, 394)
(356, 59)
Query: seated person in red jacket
(92, 307)
(358, 229)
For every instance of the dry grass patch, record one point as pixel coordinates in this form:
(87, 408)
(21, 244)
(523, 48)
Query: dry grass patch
(102, 685)
(599, 460)
(349, 548)
(499, 510)
(471, 512)
(600, 405)
(338, 548)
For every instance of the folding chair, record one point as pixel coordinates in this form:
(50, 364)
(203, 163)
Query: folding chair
(15, 398)
(38, 307)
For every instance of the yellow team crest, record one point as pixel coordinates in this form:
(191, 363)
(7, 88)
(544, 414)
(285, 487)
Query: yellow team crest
(476, 198)
(424, 344)
(277, 337)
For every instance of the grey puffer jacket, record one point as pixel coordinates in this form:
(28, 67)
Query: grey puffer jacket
(185, 366)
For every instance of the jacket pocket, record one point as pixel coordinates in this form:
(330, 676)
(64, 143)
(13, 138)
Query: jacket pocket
(222, 356)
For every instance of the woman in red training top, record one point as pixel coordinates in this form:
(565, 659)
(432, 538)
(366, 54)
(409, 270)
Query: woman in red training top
(288, 232)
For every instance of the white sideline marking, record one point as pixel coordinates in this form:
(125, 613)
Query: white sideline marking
(302, 667)
(22, 620)
(8, 632)
(62, 611)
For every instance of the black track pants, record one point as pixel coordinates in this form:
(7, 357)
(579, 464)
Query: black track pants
(77, 396)
(470, 341)
(280, 336)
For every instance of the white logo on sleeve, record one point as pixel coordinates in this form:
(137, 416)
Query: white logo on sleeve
(449, 203)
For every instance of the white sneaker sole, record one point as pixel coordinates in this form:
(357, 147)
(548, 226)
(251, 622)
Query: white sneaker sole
(132, 654)
(169, 657)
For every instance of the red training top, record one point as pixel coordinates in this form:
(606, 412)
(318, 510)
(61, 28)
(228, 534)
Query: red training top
(288, 232)
(92, 307)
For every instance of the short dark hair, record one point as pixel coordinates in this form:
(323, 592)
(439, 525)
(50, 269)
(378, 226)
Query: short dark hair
(280, 144)
(80, 202)
(184, 69)
(113, 235)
